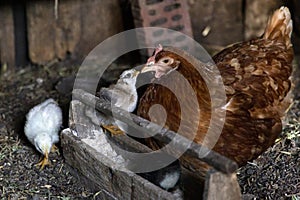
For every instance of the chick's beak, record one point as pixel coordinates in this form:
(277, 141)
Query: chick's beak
(136, 73)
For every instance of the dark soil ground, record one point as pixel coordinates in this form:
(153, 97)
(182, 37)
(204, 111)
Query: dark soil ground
(274, 175)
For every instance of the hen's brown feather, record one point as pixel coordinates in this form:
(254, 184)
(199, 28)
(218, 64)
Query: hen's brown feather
(256, 76)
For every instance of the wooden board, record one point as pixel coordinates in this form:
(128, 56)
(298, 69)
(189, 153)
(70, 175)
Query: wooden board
(67, 29)
(7, 39)
(70, 27)
(100, 20)
(41, 31)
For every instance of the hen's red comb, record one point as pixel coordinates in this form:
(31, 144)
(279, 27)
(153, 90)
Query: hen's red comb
(157, 50)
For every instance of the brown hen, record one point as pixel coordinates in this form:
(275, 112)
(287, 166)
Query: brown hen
(256, 76)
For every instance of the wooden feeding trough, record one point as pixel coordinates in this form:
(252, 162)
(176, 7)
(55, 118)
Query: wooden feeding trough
(90, 152)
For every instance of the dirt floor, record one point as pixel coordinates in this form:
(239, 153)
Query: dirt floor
(274, 175)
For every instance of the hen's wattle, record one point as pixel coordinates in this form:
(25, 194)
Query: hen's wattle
(256, 76)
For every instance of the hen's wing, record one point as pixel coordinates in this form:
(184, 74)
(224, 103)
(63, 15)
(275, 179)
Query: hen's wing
(256, 76)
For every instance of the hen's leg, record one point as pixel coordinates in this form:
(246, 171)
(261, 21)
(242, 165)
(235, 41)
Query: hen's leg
(114, 130)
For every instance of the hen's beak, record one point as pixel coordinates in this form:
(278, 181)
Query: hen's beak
(147, 68)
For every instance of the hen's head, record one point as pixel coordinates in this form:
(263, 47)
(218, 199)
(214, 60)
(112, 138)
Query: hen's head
(162, 62)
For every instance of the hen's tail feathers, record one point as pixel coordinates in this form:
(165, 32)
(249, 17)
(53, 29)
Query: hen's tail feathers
(280, 26)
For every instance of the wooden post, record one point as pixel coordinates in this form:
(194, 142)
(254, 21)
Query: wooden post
(221, 186)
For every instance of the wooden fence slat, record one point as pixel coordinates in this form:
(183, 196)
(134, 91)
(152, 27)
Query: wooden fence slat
(99, 20)
(74, 27)
(68, 29)
(7, 38)
(41, 31)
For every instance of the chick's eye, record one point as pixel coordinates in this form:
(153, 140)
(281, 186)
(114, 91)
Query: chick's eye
(127, 76)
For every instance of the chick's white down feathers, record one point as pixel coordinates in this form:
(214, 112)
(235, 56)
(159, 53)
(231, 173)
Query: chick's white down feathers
(123, 95)
(43, 124)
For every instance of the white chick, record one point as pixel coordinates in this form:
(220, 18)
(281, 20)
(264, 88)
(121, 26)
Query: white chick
(42, 126)
(123, 95)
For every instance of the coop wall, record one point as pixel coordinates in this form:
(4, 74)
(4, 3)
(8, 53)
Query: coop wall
(54, 30)
(42, 31)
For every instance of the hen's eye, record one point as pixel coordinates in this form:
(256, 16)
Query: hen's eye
(166, 61)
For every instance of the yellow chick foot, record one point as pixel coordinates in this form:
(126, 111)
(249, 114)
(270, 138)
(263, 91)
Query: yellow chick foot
(43, 162)
(54, 149)
(114, 130)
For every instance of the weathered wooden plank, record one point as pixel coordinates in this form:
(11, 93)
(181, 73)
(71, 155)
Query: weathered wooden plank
(256, 16)
(70, 27)
(214, 159)
(41, 31)
(7, 37)
(218, 22)
(221, 186)
(99, 20)
(84, 150)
